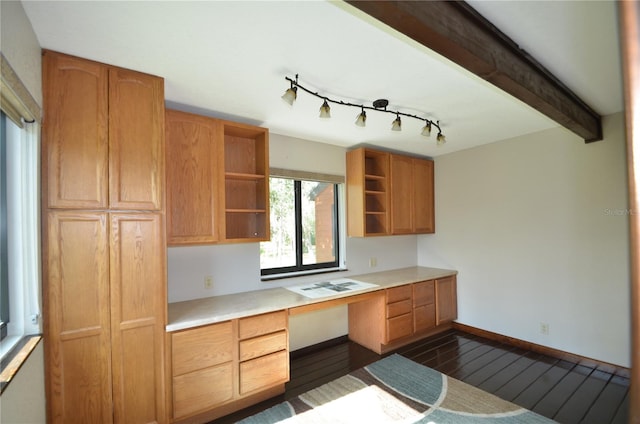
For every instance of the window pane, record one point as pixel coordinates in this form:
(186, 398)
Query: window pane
(280, 251)
(318, 223)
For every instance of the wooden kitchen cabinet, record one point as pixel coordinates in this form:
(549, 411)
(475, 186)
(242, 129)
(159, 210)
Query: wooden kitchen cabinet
(105, 306)
(104, 248)
(103, 136)
(403, 314)
(367, 176)
(388, 193)
(217, 180)
(220, 368)
(194, 175)
(446, 300)
(412, 203)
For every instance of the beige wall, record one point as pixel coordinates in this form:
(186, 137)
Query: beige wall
(20, 46)
(538, 228)
(24, 401)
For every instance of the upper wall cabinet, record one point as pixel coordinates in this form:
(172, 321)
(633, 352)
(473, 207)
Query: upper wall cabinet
(412, 204)
(104, 140)
(194, 174)
(368, 185)
(388, 194)
(217, 180)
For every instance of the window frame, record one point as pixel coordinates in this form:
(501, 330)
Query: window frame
(5, 309)
(300, 267)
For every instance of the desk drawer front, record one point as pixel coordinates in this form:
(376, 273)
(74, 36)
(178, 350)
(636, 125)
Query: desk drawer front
(264, 372)
(423, 293)
(201, 347)
(203, 389)
(262, 324)
(263, 345)
(399, 308)
(399, 293)
(399, 327)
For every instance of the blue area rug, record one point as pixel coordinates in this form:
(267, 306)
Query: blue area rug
(396, 390)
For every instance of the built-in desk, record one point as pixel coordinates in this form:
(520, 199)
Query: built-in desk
(228, 352)
(194, 313)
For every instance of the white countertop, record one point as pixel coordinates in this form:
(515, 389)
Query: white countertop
(209, 310)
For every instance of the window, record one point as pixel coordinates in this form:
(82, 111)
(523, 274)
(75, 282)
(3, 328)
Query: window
(304, 227)
(4, 247)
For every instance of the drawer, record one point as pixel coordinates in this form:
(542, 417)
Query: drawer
(263, 345)
(424, 317)
(399, 293)
(399, 327)
(423, 293)
(202, 390)
(264, 372)
(201, 347)
(399, 308)
(262, 324)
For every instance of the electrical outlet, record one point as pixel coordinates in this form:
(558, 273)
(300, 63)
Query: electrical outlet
(373, 262)
(208, 282)
(544, 328)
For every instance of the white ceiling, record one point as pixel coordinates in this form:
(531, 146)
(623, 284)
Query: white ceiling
(229, 58)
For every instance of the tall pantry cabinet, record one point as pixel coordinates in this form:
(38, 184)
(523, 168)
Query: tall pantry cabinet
(104, 255)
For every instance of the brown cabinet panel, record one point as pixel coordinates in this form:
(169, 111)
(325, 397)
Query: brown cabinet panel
(399, 308)
(424, 317)
(424, 196)
(202, 390)
(136, 140)
(402, 190)
(75, 132)
(447, 306)
(77, 328)
(263, 345)
(423, 293)
(262, 324)
(138, 299)
(202, 347)
(194, 171)
(264, 372)
(396, 294)
(398, 327)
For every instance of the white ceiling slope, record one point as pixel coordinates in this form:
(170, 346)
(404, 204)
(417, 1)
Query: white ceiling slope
(229, 58)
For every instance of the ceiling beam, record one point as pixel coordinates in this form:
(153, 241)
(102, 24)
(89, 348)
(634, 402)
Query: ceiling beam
(459, 33)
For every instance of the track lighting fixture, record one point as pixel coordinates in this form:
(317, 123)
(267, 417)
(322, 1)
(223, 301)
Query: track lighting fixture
(361, 119)
(379, 105)
(325, 110)
(396, 125)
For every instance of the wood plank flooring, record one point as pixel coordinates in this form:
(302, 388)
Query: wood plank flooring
(565, 391)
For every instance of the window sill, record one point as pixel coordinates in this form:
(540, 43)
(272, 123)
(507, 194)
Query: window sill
(13, 360)
(301, 274)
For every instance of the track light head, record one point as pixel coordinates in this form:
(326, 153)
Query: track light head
(325, 110)
(426, 130)
(441, 139)
(396, 125)
(361, 119)
(290, 95)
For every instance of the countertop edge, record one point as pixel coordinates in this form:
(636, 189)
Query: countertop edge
(199, 312)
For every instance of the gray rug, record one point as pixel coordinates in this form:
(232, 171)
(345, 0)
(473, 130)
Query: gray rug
(396, 390)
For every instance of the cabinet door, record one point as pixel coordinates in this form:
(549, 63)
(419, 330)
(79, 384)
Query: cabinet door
(77, 328)
(138, 304)
(194, 172)
(402, 193)
(423, 196)
(136, 140)
(75, 137)
(446, 300)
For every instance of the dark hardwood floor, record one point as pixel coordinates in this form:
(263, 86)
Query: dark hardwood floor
(567, 392)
